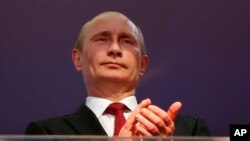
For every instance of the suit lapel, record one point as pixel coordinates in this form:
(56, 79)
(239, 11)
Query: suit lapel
(85, 122)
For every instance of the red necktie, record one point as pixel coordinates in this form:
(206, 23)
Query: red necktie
(117, 110)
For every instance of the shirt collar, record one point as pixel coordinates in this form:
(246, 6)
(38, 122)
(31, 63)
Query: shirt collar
(98, 105)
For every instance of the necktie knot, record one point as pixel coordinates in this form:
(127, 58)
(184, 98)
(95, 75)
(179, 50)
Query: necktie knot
(117, 110)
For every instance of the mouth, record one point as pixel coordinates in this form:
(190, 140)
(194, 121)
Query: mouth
(112, 64)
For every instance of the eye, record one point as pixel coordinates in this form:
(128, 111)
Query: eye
(126, 41)
(102, 39)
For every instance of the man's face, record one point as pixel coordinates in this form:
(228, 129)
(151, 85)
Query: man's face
(111, 51)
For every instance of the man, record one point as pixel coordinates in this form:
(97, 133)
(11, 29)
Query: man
(111, 56)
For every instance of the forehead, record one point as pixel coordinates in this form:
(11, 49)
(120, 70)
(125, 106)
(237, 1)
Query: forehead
(112, 23)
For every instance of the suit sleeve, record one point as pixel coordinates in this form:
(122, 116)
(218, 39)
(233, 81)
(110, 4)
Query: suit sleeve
(190, 126)
(35, 128)
(201, 128)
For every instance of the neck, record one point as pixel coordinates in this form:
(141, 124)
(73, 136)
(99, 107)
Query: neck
(110, 90)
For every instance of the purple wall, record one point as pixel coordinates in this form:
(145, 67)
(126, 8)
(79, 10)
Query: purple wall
(199, 54)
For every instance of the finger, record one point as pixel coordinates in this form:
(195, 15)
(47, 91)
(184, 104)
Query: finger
(150, 127)
(140, 129)
(161, 113)
(174, 110)
(154, 119)
(170, 129)
(145, 103)
(131, 119)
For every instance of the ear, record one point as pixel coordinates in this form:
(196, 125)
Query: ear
(144, 64)
(76, 58)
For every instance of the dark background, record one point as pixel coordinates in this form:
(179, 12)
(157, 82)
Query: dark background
(199, 54)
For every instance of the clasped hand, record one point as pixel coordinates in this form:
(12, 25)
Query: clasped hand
(150, 120)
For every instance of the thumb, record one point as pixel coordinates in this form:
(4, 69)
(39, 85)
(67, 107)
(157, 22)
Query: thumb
(174, 109)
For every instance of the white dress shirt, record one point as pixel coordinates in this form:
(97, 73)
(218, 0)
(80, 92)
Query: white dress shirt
(99, 105)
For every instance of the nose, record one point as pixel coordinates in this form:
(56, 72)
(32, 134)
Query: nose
(114, 50)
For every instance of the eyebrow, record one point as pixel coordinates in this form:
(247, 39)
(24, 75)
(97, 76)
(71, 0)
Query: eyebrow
(126, 35)
(108, 34)
(102, 33)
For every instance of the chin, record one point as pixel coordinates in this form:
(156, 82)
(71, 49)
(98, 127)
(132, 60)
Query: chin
(114, 78)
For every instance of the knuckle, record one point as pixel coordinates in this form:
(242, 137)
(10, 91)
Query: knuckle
(173, 127)
(159, 122)
(165, 116)
(153, 129)
(144, 111)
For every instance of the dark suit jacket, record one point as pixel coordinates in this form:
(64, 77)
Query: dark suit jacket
(84, 122)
